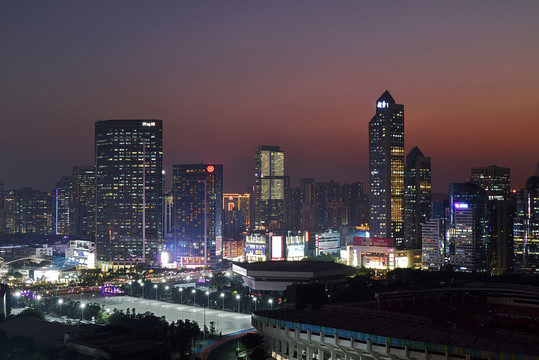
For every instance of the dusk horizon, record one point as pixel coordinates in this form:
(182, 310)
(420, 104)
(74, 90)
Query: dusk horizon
(228, 77)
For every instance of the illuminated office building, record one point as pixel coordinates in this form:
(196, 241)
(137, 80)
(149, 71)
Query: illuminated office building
(386, 170)
(198, 209)
(83, 223)
(526, 228)
(28, 211)
(495, 180)
(417, 195)
(469, 232)
(237, 217)
(270, 187)
(128, 163)
(63, 202)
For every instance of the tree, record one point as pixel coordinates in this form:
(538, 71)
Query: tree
(31, 312)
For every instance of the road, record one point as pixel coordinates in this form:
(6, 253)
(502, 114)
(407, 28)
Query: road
(226, 322)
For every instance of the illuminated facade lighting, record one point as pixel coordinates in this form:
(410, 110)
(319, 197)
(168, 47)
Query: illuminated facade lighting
(386, 170)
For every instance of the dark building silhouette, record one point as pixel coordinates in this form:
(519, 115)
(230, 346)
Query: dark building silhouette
(386, 170)
(83, 223)
(129, 178)
(496, 181)
(198, 209)
(417, 196)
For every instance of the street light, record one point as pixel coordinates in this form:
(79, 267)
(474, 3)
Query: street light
(194, 293)
(38, 298)
(271, 303)
(223, 297)
(155, 287)
(166, 293)
(181, 295)
(142, 290)
(204, 312)
(17, 296)
(254, 300)
(238, 298)
(60, 302)
(82, 310)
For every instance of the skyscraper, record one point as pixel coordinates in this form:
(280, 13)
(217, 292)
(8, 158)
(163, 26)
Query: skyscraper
(417, 196)
(63, 204)
(129, 188)
(198, 208)
(83, 224)
(495, 180)
(270, 185)
(526, 228)
(386, 170)
(469, 227)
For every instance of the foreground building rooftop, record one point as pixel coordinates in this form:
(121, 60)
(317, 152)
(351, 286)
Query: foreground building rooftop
(466, 323)
(277, 275)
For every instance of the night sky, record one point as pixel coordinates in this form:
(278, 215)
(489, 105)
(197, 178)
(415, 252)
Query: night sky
(227, 76)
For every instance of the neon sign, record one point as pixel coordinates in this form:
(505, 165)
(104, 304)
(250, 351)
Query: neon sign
(461, 206)
(382, 104)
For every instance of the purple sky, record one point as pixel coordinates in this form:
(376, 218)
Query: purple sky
(227, 76)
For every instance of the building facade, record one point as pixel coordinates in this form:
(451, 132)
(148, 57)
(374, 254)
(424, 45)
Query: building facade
(496, 181)
(237, 215)
(270, 187)
(526, 228)
(386, 170)
(83, 223)
(417, 196)
(469, 233)
(129, 188)
(198, 222)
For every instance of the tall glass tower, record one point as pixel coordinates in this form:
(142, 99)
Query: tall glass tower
(129, 188)
(198, 213)
(386, 170)
(270, 185)
(417, 196)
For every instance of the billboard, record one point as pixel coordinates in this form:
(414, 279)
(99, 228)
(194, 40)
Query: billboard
(365, 241)
(295, 251)
(277, 248)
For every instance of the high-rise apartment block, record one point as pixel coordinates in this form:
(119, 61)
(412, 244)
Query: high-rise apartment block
(129, 188)
(417, 196)
(28, 211)
(198, 208)
(386, 170)
(270, 187)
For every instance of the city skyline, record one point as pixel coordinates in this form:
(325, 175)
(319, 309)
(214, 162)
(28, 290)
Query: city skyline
(228, 77)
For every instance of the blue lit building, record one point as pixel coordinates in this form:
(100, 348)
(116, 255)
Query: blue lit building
(198, 212)
(469, 228)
